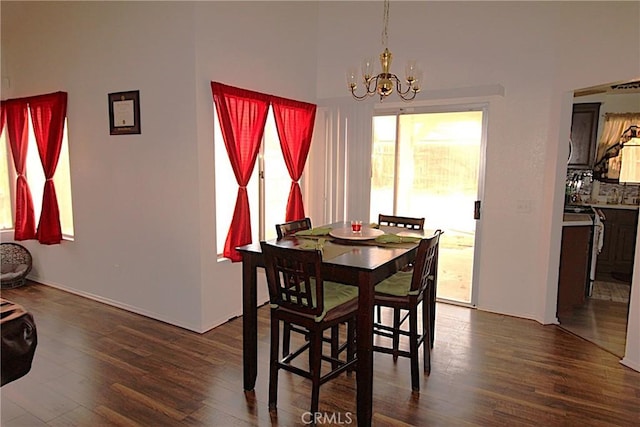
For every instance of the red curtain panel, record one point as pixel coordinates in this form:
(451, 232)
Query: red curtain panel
(3, 116)
(16, 111)
(294, 121)
(242, 115)
(48, 113)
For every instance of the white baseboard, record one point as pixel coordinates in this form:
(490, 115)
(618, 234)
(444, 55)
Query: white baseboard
(633, 364)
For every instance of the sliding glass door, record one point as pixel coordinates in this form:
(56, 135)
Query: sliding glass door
(429, 165)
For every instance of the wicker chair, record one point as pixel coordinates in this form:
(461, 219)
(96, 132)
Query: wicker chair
(16, 264)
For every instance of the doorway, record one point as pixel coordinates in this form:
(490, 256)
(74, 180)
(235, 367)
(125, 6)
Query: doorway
(603, 317)
(429, 164)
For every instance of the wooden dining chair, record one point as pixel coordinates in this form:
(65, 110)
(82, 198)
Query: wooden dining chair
(299, 295)
(410, 223)
(283, 230)
(406, 291)
(288, 229)
(291, 227)
(401, 221)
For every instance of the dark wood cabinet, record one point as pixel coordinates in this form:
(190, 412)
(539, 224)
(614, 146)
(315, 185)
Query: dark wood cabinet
(584, 133)
(618, 249)
(573, 277)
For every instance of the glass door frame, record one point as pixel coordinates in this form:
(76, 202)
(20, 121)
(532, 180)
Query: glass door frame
(452, 108)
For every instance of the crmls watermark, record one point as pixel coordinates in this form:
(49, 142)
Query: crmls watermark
(333, 418)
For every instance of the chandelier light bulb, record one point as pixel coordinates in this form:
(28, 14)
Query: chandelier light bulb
(417, 80)
(352, 78)
(367, 68)
(410, 70)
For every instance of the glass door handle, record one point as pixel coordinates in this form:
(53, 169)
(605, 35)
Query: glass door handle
(476, 209)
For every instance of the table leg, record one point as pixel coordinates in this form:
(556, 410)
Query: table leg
(364, 341)
(249, 321)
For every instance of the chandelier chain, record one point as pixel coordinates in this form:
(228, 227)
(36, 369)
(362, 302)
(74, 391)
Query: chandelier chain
(385, 22)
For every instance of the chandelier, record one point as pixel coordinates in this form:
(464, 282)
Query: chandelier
(385, 82)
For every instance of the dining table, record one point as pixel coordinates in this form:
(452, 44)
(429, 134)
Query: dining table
(356, 260)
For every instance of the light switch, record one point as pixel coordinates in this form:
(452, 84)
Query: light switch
(524, 206)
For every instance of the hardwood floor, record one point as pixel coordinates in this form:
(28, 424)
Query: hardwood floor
(96, 365)
(603, 318)
(601, 322)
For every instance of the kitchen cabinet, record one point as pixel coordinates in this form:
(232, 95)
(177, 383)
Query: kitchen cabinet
(573, 277)
(618, 249)
(584, 132)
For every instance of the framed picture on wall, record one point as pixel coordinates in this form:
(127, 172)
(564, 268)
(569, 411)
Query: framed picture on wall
(124, 113)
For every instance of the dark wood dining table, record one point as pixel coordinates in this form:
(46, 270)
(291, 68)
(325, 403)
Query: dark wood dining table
(363, 265)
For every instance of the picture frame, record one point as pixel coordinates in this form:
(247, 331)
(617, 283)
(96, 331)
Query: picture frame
(124, 113)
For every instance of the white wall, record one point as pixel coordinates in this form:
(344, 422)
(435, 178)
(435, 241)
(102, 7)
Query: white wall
(134, 197)
(264, 46)
(540, 52)
(632, 345)
(144, 205)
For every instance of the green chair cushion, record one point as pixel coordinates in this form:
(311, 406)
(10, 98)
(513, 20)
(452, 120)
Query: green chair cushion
(397, 285)
(336, 294)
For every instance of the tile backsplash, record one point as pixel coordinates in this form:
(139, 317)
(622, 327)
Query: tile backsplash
(582, 188)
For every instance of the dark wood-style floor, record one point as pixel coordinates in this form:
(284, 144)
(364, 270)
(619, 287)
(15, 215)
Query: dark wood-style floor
(604, 323)
(603, 318)
(96, 365)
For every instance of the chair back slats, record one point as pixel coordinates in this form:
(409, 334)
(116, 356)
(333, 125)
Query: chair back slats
(401, 221)
(292, 227)
(294, 278)
(298, 289)
(425, 268)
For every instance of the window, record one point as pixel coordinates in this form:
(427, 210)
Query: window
(268, 187)
(35, 177)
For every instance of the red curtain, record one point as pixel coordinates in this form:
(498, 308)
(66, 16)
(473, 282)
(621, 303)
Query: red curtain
(15, 111)
(48, 113)
(3, 116)
(294, 121)
(242, 115)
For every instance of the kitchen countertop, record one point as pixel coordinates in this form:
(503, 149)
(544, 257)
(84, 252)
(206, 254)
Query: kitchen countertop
(607, 206)
(576, 220)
